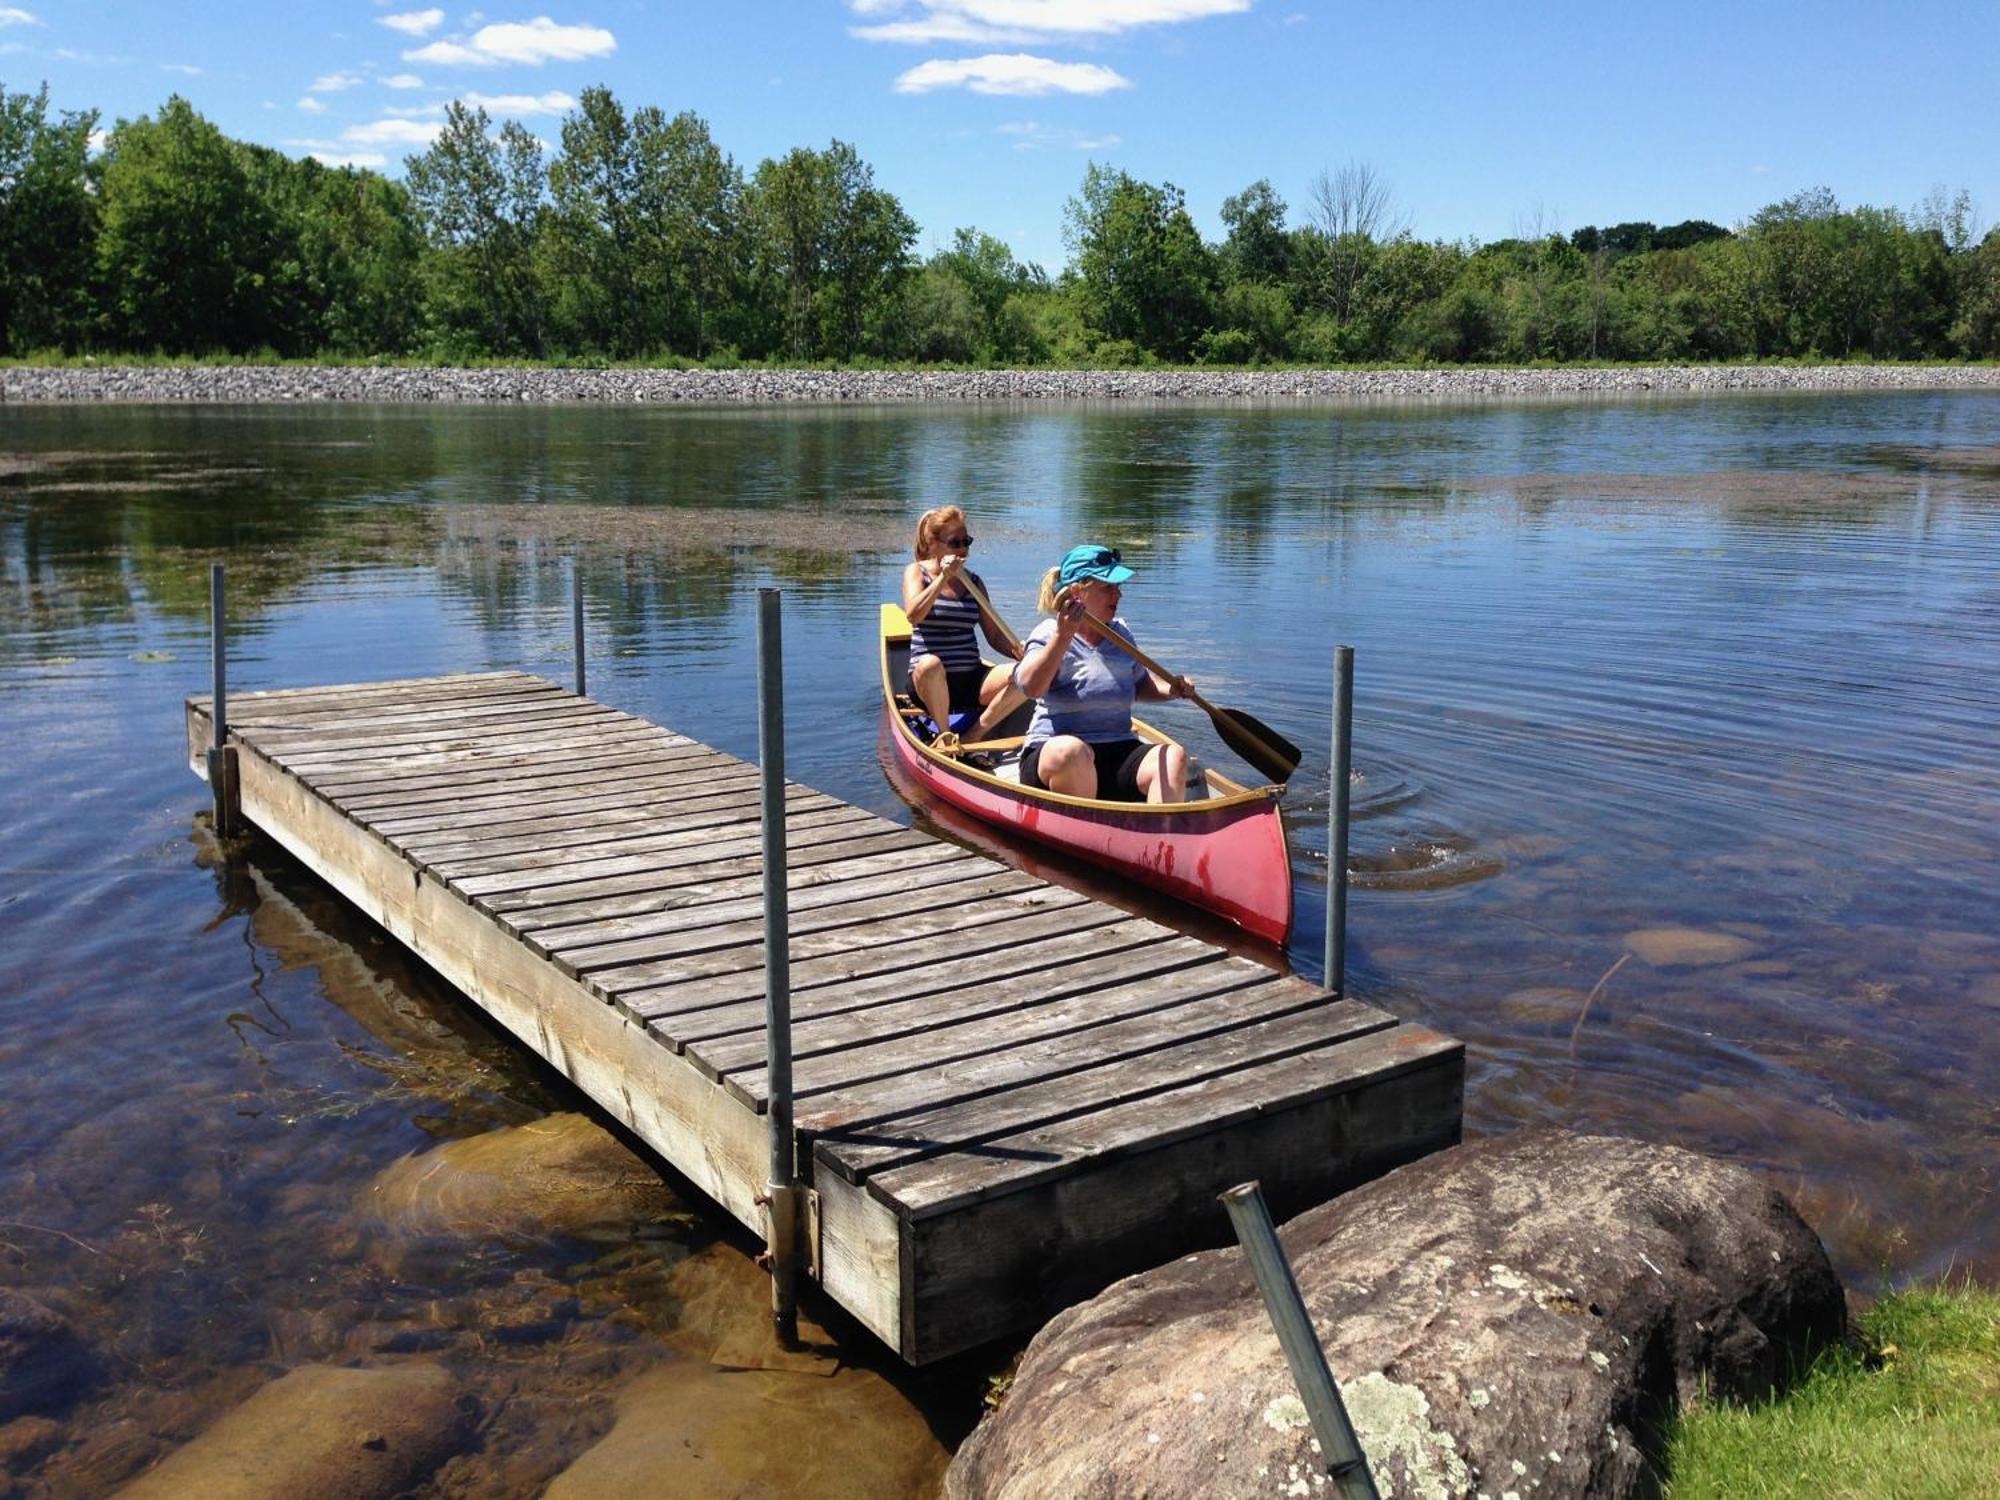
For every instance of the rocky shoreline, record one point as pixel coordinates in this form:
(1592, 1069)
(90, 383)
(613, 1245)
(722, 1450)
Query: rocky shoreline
(772, 387)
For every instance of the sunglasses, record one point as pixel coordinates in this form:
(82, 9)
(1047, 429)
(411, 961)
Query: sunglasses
(961, 540)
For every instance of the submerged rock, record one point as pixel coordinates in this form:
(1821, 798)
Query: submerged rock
(1516, 1315)
(43, 1363)
(1687, 947)
(1544, 1005)
(743, 1416)
(25, 1440)
(562, 1175)
(320, 1431)
(692, 1428)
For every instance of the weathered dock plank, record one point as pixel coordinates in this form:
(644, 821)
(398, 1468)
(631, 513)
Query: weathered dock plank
(1005, 1092)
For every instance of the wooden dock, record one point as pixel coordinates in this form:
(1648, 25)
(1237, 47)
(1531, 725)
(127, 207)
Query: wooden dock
(1006, 1092)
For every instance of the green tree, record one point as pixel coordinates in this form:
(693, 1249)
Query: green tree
(691, 193)
(985, 271)
(479, 200)
(834, 245)
(791, 205)
(48, 224)
(612, 290)
(868, 254)
(942, 319)
(191, 254)
(363, 252)
(1258, 247)
(1143, 273)
(1976, 332)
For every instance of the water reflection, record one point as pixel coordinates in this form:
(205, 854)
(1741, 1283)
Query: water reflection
(1678, 797)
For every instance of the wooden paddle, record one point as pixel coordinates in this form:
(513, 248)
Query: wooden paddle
(1262, 746)
(979, 598)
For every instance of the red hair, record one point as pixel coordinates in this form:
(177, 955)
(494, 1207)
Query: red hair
(931, 523)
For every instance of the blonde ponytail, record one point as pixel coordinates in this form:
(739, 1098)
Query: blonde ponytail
(1047, 603)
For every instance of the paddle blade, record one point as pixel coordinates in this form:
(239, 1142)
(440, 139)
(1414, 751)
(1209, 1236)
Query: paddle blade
(1262, 746)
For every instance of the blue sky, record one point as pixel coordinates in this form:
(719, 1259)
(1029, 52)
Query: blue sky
(1482, 118)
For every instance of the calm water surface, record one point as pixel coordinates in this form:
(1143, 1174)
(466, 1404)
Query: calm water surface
(1678, 787)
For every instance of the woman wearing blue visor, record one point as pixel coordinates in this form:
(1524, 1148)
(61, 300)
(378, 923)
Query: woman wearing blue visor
(1081, 742)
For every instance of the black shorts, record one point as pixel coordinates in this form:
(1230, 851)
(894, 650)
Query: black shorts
(1118, 765)
(964, 685)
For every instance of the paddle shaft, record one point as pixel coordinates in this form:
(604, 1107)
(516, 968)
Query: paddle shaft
(979, 598)
(1257, 743)
(1146, 661)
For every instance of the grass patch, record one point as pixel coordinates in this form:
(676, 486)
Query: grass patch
(1913, 1411)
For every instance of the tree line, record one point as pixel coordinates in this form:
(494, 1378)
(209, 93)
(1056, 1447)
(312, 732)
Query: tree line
(636, 237)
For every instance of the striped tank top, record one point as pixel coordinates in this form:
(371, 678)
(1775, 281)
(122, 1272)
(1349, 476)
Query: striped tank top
(946, 632)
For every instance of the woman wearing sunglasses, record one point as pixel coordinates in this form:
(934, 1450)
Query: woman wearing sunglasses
(1081, 741)
(946, 670)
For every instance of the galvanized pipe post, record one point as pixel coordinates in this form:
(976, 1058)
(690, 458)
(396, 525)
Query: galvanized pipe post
(1335, 971)
(1339, 1451)
(576, 622)
(782, 1192)
(221, 754)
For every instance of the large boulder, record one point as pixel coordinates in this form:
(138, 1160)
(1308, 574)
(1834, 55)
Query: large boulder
(1514, 1317)
(321, 1430)
(43, 1364)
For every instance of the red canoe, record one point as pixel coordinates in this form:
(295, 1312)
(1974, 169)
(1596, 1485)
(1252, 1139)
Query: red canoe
(1222, 850)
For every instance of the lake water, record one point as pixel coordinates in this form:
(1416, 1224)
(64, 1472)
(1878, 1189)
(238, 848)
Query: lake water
(1677, 742)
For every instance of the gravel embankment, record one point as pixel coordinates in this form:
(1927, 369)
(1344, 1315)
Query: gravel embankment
(776, 387)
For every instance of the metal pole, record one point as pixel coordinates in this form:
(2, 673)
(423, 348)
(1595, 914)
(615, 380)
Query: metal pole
(576, 623)
(782, 1206)
(218, 655)
(1335, 971)
(1339, 1450)
(221, 758)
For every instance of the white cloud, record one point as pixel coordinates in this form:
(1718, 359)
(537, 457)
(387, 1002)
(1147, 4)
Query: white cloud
(413, 22)
(402, 81)
(14, 16)
(333, 83)
(392, 133)
(187, 69)
(500, 106)
(311, 105)
(1032, 135)
(334, 154)
(513, 106)
(523, 43)
(1027, 20)
(1010, 73)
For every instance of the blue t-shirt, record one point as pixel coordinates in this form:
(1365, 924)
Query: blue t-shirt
(1093, 690)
